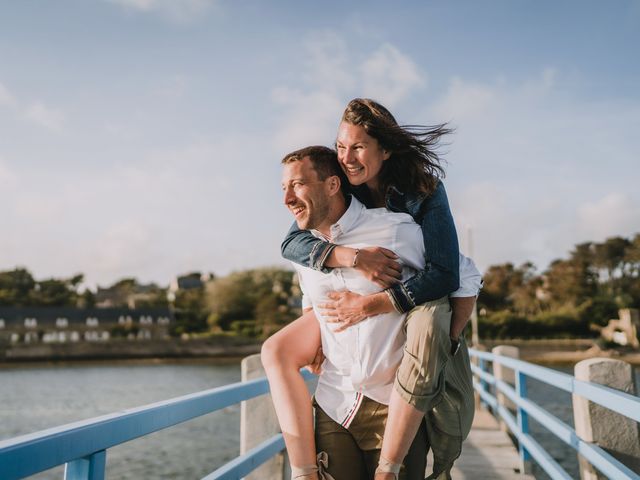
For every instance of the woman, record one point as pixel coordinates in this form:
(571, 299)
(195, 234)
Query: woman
(394, 167)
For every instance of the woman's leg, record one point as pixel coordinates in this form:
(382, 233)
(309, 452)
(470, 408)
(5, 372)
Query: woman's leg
(283, 354)
(420, 379)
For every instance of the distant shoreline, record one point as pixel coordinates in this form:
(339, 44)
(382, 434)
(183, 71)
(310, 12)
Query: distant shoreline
(226, 348)
(564, 351)
(177, 349)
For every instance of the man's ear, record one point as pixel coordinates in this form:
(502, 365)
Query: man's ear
(334, 184)
(386, 154)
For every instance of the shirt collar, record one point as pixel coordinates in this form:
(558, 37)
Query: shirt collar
(346, 222)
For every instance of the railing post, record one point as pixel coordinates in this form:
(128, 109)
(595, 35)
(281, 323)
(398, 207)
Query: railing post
(615, 433)
(258, 422)
(482, 364)
(505, 374)
(523, 422)
(87, 468)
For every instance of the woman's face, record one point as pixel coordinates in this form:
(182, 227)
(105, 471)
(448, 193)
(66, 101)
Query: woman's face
(360, 155)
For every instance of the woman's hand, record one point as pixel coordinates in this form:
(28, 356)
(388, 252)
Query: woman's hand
(349, 308)
(377, 264)
(380, 265)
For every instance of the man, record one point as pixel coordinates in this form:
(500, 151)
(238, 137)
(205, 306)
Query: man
(358, 373)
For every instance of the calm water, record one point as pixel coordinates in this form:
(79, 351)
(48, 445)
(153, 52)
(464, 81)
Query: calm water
(33, 398)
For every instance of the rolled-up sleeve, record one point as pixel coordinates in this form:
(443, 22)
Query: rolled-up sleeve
(301, 247)
(470, 279)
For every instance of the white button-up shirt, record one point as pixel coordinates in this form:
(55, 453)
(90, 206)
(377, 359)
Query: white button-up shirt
(363, 359)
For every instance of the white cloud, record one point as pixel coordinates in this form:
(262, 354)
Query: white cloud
(613, 214)
(150, 214)
(464, 101)
(327, 64)
(44, 116)
(529, 167)
(180, 11)
(8, 179)
(389, 76)
(332, 75)
(173, 88)
(503, 229)
(125, 246)
(6, 97)
(309, 118)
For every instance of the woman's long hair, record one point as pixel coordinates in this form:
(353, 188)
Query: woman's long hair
(414, 164)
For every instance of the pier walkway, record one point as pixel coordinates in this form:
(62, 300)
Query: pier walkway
(488, 453)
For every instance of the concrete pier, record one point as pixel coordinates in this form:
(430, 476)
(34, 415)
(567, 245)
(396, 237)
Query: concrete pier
(258, 422)
(617, 434)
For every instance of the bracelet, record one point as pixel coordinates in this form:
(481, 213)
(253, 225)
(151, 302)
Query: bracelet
(355, 258)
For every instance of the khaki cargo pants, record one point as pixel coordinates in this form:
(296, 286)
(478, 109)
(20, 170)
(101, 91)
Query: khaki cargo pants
(439, 384)
(353, 452)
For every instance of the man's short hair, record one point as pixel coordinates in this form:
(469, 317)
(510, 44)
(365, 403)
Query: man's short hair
(324, 161)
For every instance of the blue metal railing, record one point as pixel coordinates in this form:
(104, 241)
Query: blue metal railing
(82, 446)
(615, 400)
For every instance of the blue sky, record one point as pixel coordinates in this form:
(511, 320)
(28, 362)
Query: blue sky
(143, 137)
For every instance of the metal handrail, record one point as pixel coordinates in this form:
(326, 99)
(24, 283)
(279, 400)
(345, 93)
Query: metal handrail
(82, 445)
(615, 400)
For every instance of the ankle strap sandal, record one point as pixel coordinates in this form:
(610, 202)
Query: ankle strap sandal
(385, 466)
(309, 471)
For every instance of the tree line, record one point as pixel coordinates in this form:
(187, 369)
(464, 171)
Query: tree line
(573, 297)
(253, 303)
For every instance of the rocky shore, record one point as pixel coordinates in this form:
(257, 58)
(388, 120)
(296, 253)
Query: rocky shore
(218, 347)
(565, 351)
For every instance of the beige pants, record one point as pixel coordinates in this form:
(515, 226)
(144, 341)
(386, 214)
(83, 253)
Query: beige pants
(437, 383)
(354, 452)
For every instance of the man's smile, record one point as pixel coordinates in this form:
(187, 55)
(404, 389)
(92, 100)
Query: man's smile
(297, 210)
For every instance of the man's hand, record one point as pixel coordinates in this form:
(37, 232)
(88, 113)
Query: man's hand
(315, 366)
(380, 265)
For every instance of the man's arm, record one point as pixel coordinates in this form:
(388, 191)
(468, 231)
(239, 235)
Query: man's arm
(464, 299)
(461, 307)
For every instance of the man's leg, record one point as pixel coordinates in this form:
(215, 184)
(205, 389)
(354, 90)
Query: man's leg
(420, 379)
(346, 460)
(368, 427)
(283, 354)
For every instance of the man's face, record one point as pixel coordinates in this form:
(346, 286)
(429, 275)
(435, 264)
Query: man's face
(360, 155)
(305, 195)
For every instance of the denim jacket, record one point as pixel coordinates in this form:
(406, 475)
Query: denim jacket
(441, 275)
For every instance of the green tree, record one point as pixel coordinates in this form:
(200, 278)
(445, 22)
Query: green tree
(569, 282)
(508, 287)
(190, 311)
(54, 293)
(16, 287)
(262, 297)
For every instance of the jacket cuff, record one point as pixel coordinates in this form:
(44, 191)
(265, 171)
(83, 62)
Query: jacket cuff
(319, 254)
(400, 298)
